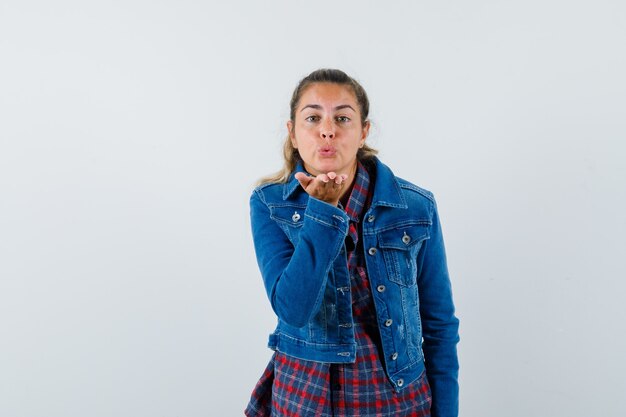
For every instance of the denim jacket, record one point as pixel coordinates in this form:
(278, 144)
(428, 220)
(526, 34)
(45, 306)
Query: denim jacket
(299, 243)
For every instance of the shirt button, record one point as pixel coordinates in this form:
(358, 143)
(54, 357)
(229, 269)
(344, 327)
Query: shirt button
(388, 322)
(400, 382)
(394, 356)
(372, 251)
(371, 218)
(380, 288)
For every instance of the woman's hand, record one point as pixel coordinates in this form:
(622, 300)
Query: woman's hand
(326, 187)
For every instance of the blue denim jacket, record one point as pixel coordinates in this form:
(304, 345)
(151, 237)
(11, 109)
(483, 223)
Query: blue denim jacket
(299, 243)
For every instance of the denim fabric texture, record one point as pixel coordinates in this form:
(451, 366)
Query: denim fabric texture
(299, 243)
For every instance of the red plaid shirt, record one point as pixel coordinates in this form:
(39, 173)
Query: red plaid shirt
(296, 387)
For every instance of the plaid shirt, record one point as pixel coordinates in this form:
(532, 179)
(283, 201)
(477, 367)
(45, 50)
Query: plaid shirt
(296, 387)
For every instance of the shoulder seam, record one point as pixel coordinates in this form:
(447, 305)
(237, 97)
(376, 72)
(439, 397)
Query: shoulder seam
(259, 192)
(428, 194)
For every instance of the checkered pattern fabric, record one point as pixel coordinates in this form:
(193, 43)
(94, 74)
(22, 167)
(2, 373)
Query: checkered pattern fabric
(295, 387)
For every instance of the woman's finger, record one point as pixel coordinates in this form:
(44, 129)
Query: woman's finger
(304, 179)
(323, 177)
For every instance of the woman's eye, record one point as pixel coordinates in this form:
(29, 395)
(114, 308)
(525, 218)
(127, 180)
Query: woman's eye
(343, 119)
(311, 118)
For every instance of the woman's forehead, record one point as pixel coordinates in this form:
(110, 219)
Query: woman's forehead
(327, 94)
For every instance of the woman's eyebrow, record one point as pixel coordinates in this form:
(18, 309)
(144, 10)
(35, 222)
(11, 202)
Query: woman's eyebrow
(318, 107)
(345, 106)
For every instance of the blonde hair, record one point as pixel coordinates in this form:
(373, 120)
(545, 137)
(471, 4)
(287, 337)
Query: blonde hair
(291, 156)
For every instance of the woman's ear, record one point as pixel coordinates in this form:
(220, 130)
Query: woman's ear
(292, 137)
(366, 131)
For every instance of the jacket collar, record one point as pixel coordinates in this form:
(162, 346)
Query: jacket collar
(292, 183)
(387, 190)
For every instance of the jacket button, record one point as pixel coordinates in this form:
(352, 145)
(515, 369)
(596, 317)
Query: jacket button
(388, 322)
(380, 288)
(295, 217)
(394, 356)
(371, 218)
(372, 251)
(400, 382)
(406, 238)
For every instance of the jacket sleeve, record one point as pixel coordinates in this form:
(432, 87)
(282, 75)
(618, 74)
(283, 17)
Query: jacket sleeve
(439, 323)
(295, 277)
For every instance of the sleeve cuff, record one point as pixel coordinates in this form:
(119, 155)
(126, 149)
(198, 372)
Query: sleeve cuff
(327, 214)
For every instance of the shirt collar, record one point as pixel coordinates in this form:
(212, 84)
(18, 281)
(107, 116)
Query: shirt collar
(358, 194)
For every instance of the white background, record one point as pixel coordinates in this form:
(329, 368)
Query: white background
(132, 132)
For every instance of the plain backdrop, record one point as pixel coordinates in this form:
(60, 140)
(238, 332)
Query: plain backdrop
(132, 132)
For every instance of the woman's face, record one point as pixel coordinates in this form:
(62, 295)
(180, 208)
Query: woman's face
(327, 129)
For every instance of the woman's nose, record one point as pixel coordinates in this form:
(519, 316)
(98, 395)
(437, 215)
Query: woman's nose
(327, 131)
(328, 134)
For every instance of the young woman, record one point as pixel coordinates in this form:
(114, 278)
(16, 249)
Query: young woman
(353, 261)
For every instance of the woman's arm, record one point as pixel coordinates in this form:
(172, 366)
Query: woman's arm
(295, 277)
(440, 325)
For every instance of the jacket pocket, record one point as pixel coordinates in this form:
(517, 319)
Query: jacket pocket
(400, 247)
(290, 218)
